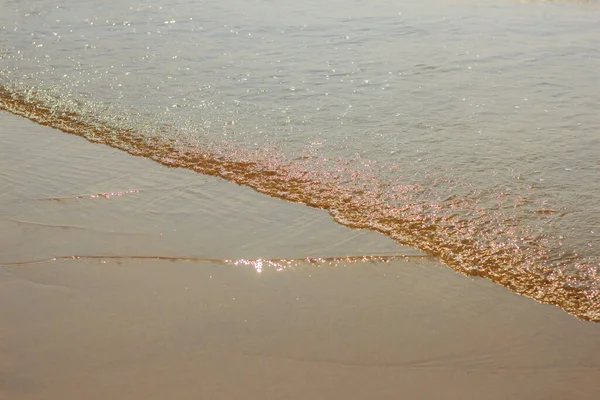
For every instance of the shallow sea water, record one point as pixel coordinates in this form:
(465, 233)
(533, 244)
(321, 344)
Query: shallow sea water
(466, 129)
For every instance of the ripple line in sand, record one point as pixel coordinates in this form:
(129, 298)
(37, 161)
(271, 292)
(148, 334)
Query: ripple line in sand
(257, 263)
(43, 225)
(106, 195)
(40, 224)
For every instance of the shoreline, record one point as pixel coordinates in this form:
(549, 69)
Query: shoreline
(353, 207)
(156, 328)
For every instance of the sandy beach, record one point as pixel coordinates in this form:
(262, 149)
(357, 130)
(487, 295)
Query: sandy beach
(118, 280)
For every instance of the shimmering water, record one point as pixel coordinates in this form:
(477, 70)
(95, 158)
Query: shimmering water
(467, 129)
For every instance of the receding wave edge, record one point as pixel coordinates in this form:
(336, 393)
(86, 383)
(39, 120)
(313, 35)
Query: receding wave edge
(523, 264)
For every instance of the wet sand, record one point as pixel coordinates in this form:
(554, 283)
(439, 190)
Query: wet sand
(190, 325)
